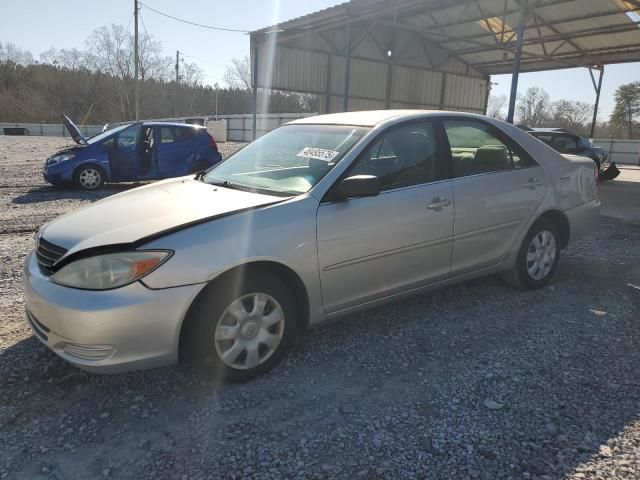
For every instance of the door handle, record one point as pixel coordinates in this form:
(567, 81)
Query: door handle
(533, 183)
(437, 203)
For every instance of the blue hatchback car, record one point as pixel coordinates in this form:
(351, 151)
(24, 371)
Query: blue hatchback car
(132, 152)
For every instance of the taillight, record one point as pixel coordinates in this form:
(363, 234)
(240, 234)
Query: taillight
(212, 142)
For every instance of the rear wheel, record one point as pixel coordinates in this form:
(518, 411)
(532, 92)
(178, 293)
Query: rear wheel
(89, 177)
(241, 328)
(538, 256)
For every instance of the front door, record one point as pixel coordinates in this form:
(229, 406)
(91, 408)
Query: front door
(374, 247)
(497, 187)
(124, 157)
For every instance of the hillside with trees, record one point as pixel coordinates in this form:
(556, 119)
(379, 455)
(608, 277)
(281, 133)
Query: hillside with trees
(96, 85)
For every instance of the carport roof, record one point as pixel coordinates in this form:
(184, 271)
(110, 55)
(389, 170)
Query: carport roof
(482, 33)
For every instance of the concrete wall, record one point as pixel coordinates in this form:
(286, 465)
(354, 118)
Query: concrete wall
(623, 152)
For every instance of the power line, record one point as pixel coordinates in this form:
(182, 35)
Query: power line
(202, 60)
(129, 24)
(192, 23)
(143, 25)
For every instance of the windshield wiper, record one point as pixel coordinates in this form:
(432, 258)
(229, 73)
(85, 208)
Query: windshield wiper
(228, 184)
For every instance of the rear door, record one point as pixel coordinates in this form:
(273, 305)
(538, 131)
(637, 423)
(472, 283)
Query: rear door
(497, 187)
(176, 150)
(374, 247)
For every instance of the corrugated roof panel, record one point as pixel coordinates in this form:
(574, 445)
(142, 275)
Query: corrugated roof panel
(368, 79)
(464, 92)
(291, 69)
(416, 86)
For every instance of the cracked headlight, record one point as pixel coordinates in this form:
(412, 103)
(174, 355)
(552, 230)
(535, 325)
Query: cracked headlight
(111, 270)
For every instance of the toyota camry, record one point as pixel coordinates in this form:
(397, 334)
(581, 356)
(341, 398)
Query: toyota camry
(317, 219)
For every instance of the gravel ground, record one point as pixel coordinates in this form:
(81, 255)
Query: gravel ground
(473, 381)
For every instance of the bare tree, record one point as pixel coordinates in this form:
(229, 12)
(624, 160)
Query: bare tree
(496, 105)
(71, 59)
(571, 114)
(111, 51)
(238, 74)
(533, 107)
(10, 53)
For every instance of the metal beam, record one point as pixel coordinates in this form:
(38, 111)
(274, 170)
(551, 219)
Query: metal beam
(347, 70)
(516, 61)
(591, 32)
(255, 91)
(595, 107)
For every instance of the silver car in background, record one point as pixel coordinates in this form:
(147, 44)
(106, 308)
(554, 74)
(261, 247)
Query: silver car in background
(317, 219)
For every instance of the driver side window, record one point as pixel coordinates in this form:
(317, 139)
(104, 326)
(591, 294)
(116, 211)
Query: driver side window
(129, 136)
(404, 156)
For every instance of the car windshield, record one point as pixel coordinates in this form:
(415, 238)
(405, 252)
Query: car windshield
(108, 133)
(287, 161)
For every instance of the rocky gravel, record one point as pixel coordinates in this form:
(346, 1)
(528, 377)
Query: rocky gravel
(476, 381)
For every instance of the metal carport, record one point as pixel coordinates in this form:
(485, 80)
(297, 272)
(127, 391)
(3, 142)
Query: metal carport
(438, 54)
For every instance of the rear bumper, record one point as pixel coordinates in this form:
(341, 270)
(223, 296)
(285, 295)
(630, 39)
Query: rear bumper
(583, 219)
(128, 328)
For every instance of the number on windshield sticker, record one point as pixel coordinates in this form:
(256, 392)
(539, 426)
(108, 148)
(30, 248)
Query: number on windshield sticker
(318, 153)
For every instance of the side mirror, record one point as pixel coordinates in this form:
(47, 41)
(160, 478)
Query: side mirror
(359, 186)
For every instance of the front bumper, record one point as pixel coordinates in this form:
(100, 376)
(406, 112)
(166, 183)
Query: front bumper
(128, 328)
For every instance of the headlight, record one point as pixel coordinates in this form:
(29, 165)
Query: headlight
(111, 270)
(60, 158)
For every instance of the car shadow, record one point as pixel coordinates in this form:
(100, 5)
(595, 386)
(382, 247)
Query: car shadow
(48, 193)
(476, 380)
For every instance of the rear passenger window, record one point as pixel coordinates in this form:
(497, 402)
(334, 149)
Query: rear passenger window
(181, 134)
(177, 134)
(404, 156)
(166, 135)
(477, 147)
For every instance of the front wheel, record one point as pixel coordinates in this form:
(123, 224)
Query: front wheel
(241, 328)
(88, 177)
(538, 256)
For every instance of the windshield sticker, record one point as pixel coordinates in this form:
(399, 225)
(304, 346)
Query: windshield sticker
(318, 153)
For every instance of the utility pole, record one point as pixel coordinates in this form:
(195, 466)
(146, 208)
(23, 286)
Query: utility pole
(175, 101)
(136, 60)
(217, 87)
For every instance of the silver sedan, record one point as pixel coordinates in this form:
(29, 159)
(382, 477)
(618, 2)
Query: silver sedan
(317, 219)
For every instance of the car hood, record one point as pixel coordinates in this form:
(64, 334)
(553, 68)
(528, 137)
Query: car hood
(74, 131)
(147, 211)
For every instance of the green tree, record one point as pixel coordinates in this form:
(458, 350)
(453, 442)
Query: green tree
(626, 113)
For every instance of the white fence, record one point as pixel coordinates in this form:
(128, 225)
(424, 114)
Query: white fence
(51, 129)
(623, 152)
(239, 126)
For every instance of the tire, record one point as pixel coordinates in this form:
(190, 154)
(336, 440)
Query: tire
(89, 177)
(537, 258)
(231, 343)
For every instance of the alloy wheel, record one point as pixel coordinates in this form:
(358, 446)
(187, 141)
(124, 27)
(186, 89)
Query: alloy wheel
(90, 178)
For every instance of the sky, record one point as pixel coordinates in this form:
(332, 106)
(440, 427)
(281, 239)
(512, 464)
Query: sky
(38, 25)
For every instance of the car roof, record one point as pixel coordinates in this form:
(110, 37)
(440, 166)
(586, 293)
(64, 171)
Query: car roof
(171, 124)
(371, 118)
(553, 130)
